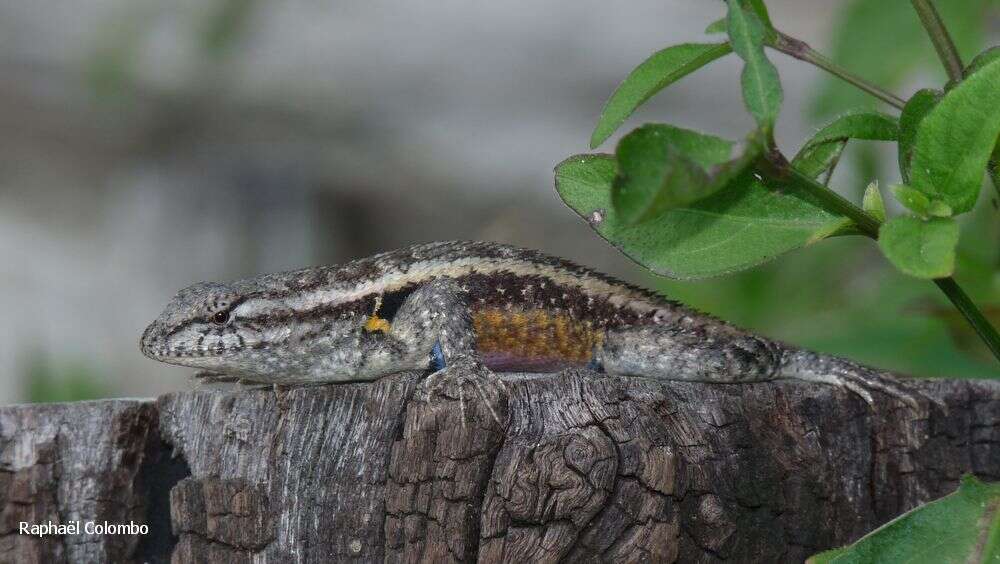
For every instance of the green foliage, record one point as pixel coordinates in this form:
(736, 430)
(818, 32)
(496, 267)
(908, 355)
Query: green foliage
(861, 125)
(654, 175)
(756, 6)
(872, 202)
(918, 203)
(912, 114)
(961, 527)
(761, 86)
(982, 59)
(690, 205)
(824, 149)
(703, 149)
(657, 72)
(814, 161)
(718, 26)
(955, 139)
(662, 167)
(919, 247)
(745, 225)
(760, 10)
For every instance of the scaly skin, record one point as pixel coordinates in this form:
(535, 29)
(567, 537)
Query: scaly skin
(426, 305)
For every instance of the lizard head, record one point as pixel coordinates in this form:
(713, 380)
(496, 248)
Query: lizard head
(200, 328)
(236, 330)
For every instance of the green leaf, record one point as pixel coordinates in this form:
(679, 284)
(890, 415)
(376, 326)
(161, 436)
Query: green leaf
(813, 161)
(913, 112)
(718, 26)
(761, 86)
(703, 149)
(823, 150)
(742, 226)
(956, 138)
(961, 527)
(884, 43)
(920, 204)
(921, 248)
(939, 209)
(660, 70)
(661, 167)
(758, 8)
(654, 175)
(721, 175)
(913, 200)
(981, 60)
(872, 202)
(873, 126)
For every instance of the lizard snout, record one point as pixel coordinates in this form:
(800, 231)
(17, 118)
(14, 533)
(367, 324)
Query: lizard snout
(149, 339)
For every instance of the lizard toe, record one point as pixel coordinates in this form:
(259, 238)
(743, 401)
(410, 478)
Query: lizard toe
(465, 372)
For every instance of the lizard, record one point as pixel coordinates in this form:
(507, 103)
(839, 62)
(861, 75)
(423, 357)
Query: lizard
(437, 305)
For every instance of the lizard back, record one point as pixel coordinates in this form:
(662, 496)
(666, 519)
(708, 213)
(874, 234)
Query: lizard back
(531, 311)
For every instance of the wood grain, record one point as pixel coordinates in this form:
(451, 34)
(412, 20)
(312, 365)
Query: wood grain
(580, 468)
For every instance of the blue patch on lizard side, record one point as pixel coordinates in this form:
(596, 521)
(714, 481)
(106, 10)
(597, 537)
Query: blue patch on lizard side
(437, 358)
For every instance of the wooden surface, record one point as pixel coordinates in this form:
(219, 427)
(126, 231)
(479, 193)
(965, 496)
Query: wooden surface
(581, 468)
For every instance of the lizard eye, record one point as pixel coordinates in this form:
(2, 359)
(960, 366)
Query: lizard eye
(220, 317)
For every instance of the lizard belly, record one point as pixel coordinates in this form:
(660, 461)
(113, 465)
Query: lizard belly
(533, 340)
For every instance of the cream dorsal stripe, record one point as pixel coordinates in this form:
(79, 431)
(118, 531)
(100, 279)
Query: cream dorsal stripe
(425, 270)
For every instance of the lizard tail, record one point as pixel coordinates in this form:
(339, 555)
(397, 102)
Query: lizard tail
(726, 355)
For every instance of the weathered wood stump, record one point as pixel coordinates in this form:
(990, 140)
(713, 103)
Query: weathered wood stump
(582, 468)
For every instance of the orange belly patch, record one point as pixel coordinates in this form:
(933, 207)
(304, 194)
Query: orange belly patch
(535, 335)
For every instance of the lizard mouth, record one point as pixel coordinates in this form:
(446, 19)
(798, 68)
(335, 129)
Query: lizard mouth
(180, 352)
(154, 344)
(166, 353)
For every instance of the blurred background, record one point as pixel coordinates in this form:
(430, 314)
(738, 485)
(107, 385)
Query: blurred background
(151, 144)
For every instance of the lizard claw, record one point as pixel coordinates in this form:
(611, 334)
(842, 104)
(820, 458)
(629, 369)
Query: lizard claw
(863, 381)
(450, 382)
(866, 380)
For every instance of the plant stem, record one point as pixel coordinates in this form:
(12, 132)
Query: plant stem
(778, 168)
(971, 313)
(940, 37)
(802, 51)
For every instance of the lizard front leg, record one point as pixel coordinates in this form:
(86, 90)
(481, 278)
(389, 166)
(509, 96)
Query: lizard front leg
(434, 326)
(435, 321)
(724, 354)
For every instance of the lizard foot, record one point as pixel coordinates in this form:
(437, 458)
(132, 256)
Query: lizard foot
(863, 381)
(451, 382)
